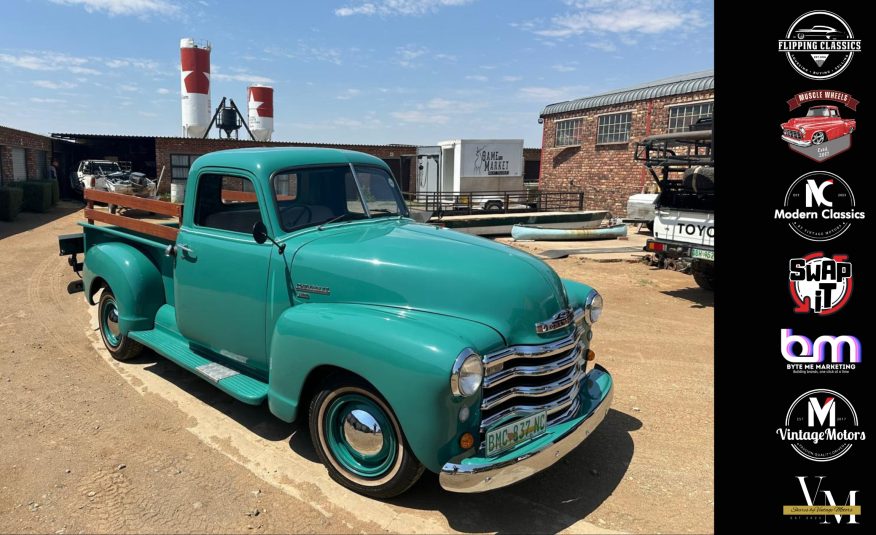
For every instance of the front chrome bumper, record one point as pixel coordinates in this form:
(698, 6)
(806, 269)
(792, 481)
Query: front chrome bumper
(483, 474)
(798, 142)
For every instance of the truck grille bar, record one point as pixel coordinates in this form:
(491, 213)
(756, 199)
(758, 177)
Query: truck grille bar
(531, 379)
(793, 134)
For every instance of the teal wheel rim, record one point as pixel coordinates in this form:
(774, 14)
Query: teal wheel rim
(373, 463)
(109, 323)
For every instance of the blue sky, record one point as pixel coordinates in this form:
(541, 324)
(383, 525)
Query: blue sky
(353, 71)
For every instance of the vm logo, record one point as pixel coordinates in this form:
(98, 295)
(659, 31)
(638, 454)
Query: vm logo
(815, 193)
(822, 412)
(833, 348)
(849, 508)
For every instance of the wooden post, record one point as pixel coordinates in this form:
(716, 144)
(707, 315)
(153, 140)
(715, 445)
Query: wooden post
(580, 201)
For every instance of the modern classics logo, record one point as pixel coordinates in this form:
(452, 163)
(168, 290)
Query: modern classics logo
(825, 130)
(820, 504)
(819, 206)
(826, 354)
(821, 425)
(819, 284)
(819, 45)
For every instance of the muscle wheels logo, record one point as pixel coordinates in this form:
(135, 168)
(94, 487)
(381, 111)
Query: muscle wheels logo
(822, 129)
(821, 425)
(819, 45)
(819, 206)
(821, 504)
(820, 285)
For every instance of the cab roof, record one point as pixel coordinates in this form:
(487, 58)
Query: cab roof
(264, 161)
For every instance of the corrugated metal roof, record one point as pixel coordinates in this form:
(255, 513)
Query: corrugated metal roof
(677, 85)
(73, 136)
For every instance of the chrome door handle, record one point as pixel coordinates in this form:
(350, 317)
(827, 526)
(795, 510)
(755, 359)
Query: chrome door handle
(185, 248)
(171, 249)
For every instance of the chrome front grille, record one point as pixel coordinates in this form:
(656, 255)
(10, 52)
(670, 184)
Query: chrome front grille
(794, 134)
(526, 380)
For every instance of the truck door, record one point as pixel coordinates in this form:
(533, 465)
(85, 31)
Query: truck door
(221, 273)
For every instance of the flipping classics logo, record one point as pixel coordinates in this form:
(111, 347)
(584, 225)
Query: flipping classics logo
(819, 206)
(820, 285)
(819, 45)
(821, 425)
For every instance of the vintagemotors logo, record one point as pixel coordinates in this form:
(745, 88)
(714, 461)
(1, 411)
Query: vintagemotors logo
(821, 425)
(819, 284)
(819, 206)
(819, 45)
(825, 354)
(823, 504)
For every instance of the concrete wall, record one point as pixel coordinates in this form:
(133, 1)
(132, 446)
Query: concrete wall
(607, 174)
(32, 143)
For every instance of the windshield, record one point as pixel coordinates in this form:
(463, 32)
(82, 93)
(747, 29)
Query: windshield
(818, 112)
(106, 168)
(315, 195)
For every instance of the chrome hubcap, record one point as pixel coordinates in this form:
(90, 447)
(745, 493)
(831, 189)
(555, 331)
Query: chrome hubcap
(362, 432)
(818, 138)
(112, 321)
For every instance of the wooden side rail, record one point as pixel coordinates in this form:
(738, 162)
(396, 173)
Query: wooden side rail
(137, 203)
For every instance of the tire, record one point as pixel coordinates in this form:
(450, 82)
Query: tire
(113, 208)
(650, 225)
(384, 473)
(818, 140)
(493, 206)
(120, 346)
(704, 280)
(700, 179)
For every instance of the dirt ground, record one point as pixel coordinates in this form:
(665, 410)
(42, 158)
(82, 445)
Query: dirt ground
(90, 445)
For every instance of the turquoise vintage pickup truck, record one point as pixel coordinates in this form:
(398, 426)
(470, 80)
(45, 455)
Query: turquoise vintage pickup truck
(296, 276)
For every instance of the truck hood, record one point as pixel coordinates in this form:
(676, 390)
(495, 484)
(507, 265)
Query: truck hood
(410, 265)
(810, 122)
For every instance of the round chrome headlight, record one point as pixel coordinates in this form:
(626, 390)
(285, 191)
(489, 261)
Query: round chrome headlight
(467, 374)
(593, 307)
(802, 130)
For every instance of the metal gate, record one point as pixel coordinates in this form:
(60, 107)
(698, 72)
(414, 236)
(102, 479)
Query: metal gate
(19, 164)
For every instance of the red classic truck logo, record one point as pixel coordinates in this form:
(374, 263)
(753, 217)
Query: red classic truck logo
(820, 134)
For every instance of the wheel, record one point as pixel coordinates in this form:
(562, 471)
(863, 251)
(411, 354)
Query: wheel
(493, 206)
(650, 225)
(359, 440)
(113, 208)
(818, 138)
(800, 36)
(704, 280)
(120, 346)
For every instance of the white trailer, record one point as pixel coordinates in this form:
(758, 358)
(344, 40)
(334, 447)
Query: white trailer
(491, 166)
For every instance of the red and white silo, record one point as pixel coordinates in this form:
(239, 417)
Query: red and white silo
(195, 86)
(260, 100)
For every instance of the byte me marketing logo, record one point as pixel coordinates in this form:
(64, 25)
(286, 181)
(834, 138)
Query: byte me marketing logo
(819, 284)
(821, 425)
(819, 45)
(826, 354)
(819, 206)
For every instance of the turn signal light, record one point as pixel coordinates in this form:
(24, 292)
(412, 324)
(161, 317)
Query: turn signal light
(653, 246)
(466, 441)
(591, 355)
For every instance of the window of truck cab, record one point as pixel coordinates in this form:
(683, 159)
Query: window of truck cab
(314, 195)
(226, 202)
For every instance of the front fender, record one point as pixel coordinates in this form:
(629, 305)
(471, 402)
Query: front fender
(133, 278)
(406, 355)
(577, 293)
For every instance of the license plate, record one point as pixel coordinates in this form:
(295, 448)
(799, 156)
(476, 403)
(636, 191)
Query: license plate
(513, 434)
(702, 254)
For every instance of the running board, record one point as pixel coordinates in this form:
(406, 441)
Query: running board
(239, 386)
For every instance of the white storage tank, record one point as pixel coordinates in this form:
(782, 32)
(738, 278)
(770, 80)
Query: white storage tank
(260, 100)
(195, 86)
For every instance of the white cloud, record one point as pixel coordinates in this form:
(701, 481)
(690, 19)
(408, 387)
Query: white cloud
(348, 94)
(128, 87)
(148, 114)
(420, 117)
(605, 46)
(124, 7)
(47, 61)
(408, 53)
(397, 7)
(163, 91)
(39, 100)
(452, 106)
(476, 77)
(344, 122)
(551, 94)
(564, 67)
(48, 84)
(239, 76)
(512, 78)
(620, 17)
(306, 52)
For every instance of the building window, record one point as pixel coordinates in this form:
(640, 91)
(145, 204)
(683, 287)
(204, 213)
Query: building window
(568, 133)
(681, 117)
(42, 165)
(180, 165)
(614, 128)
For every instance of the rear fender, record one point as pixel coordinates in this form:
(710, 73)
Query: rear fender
(406, 355)
(134, 279)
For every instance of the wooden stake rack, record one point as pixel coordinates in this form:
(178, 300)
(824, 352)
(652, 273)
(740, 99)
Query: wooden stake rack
(137, 203)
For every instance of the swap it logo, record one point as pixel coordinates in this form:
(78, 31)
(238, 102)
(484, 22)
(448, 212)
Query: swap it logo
(820, 285)
(819, 45)
(821, 506)
(821, 425)
(824, 355)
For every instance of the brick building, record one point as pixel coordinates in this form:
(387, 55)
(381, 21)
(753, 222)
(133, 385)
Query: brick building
(23, 156)
(587, 144)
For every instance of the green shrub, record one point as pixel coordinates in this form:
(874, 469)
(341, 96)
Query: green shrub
(56, 191)
(10, 203)
(37, 195)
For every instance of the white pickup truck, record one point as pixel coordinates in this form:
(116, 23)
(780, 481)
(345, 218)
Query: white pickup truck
(684, 217)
